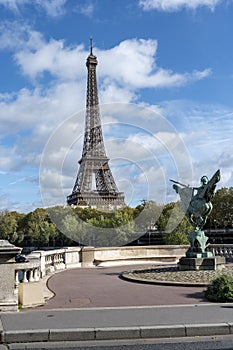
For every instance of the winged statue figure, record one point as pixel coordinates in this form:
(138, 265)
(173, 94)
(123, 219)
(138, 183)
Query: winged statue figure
(196, 201)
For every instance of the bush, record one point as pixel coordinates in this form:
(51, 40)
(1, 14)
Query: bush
(220, 289)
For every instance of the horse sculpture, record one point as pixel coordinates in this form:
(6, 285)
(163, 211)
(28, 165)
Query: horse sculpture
(196, 204)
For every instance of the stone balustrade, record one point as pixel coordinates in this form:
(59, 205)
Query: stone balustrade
(54, 261)
(51, 261)
(27, 272)
(28, 285)
(225, 250)
(57, 259)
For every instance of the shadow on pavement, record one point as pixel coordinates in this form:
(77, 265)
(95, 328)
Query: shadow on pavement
(197, 295)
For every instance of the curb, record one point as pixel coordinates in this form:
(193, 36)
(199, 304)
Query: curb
(125, 276)
(116, 333)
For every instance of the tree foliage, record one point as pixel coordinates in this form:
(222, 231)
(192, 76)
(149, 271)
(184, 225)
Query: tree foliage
(11, 226)
(174, 224)
(220, 289)
(222, 213)
(59, 226)
(146, 215)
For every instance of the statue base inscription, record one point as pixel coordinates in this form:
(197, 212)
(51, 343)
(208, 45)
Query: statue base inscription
(201, 263)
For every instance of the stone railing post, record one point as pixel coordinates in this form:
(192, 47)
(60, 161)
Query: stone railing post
(30, 287)
(72, 257)
(8, 286)
(87, 256)
(42, 264)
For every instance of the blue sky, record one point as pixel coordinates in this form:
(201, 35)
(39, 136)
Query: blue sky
(165, 78)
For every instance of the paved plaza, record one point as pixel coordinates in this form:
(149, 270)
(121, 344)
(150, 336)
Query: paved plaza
(102, 287)
(94, 304)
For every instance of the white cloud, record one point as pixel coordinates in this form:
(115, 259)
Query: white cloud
(52, 8)
(206, 131)
(130, 65)
(6, 202)
(36, 56)
(85, 9)
(38, 109)
(111, 91)
(133, 63)
(9, 159)
(54, 58)
(30, 119)
(177, 5)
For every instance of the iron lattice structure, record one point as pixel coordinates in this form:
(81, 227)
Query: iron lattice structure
(94, 186)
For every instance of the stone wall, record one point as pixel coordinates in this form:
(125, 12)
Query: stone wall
(162, 254)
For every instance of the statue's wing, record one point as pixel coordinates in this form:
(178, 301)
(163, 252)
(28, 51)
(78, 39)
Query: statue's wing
(211, 186)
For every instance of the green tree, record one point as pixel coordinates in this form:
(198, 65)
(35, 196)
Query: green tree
(222, 213)
(111, 229)
(174, 224)
(147, 215)
(73, 228)
(10, 223)
(70, 228)
(39, 227)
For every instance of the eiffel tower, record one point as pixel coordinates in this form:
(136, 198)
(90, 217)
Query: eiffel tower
(94, 186)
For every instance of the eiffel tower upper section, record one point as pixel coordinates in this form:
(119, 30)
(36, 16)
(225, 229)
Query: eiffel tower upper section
(94, 185)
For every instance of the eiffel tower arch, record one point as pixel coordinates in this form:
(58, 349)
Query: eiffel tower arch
(95, 186)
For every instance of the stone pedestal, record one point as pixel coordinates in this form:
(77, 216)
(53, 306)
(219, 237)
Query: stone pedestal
(197, 258)
(8, 293)
(201, 263)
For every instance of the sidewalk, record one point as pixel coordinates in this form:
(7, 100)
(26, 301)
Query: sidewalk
(117, 323)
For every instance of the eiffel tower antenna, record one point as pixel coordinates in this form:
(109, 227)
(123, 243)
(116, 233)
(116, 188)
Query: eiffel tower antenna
(94, 186)
(91, 46)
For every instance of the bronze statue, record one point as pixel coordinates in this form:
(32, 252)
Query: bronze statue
(196, 201)
(196, 204)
